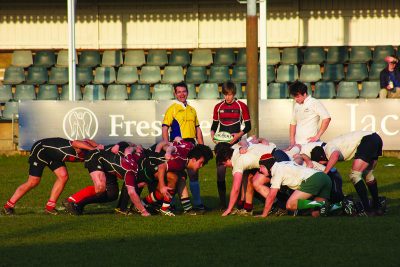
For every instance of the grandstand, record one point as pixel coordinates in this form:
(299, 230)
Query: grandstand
(336, 47)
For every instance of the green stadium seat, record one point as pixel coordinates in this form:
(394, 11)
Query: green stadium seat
(239, 74)
(309, 88)
(139, 92)
(93, 92)
(37, 75)
(333, 72)
(277, 91)
(208, 91)
(370, 89)
(324, 90)
(59, 75)
(112, 58)
(84, 75)
(5, 93)
(116, 92)
(134, 58)
(287, 73)
(10, 111)
(65, 92)
(14, 75)
(310, 73)
(314, 55)
(24, 92)
(157, 57)
(241, 59)
(163, 92)
(179, 57)
(89, 59)
(173, 74)
(22, 58)
(291, 55)
(127, 75)
(150, 75)
(360, 54)
(104, 75)
(202, 57)
(239, 91)
(337, 55)
(273, 56)
(381, 51)
(356, 72)
(347, 89)
(192, 91)
(196, 74)
(224, 57)
(219, 74)
(45, 59)
(375, 70)
(47, 92)
(270, 73)
(62, 58)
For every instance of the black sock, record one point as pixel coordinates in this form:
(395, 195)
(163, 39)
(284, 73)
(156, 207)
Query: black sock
(186, 204)
(222, 192)
(373, 189)
(124, 198)
(363, 194)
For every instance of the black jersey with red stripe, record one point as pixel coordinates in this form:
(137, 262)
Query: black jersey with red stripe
(230, 116)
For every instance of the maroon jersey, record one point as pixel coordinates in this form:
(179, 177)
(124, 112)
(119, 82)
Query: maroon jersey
(230, 116)
(179, 158)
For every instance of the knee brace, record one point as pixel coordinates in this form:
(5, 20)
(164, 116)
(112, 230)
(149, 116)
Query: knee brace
(369, 178)
(355, 176)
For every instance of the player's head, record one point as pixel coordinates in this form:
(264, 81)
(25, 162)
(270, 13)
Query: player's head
(223, 153)
(229, 91)
(181, 92)
(318, 154)
(199, 156)
(298, 91)
(266, 162)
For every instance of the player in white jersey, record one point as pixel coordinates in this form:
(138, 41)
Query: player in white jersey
(365, 147)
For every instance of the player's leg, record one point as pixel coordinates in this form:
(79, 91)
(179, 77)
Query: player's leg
(195, 189)
(221, 185)
(172, 179)
(183, 193)
(249, 193)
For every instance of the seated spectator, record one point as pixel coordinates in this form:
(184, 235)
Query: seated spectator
(390, 79)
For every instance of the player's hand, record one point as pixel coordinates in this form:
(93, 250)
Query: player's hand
(100, 147)
(242, 150)
(313, 139)
(236, 136)
(164, 191)
(226, 213)
(115, 149)
(145, 213)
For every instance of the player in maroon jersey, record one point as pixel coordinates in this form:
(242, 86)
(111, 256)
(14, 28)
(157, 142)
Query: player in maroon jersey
(53, 153)
(229, 116)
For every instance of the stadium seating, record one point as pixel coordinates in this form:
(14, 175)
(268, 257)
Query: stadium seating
(337, 55)
(219, 74)
(14, 75)
(104, 75)
(287, 73)
(273, 56)
(241, 59)
(277, 91)
(24, 92)
(37, 75)
(239, 91)
(208, 91)
(116, 92)
(89, 58)
(134, 58)
(356, 72)
(173, 74)
(22, 58)
(370, 89)
(139, 92)
(84, 75)
(291, 55)
(10, 111)
(93, 92)
(111, 58)
(65, 92)
(314, 55)
(309, 88)
(224, 57)
(44, 59)
(5, 93)
(239, 74)
(324, 90)
(381, 51)
(202, 57)
(58, 75)
(179, 57)
(310, 73)
(192, 94)
(333, 72)
(62, 58)
(157, 57)
(360, 54)
(127, 75)
(196, 74)
(270, 73)
(150, 75)
(347, 89)
(163, 92)
(375, 70)
(47, 92)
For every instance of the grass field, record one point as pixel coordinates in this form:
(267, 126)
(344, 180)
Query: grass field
(100, 238)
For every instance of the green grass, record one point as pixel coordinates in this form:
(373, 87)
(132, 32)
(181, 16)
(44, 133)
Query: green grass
(101, 238)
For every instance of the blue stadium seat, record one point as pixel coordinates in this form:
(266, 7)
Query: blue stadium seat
(10, 111)
(239, 74)
(192, 91)
(324, 90)
(347, 89)
(24, 92)
(270, 73)
(157, 57)
(356, 72)
(139, 92)
(93, 92)
(89, 59)
(127, 75)
(381, 51)
(150, 75)
(375, 70)
(310, 73)
(65, 92)
(134, 58)
(37, 75)
(58, 75)
(62, 58)
(291, 55)
(287, 73)
(173, 74)
(179, 57)
(208, 91)
(239, 91)
(84, 75)
(273, 56)
(337, 55)
(370, 89)
(202, 57)
(163, 92)
(14, 75)
(48, 92)
(116, 92)
(241, 59)
(196, 74)
(44, 59)
(277, 91)
(112, 58)
(219, 74)
(333, 72)
(224, 57)
(360, 54)
(22, 58)
(104, 75)
(314, 55)
(5, 93)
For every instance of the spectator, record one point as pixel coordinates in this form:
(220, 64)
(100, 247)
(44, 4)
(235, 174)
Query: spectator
(390, 79)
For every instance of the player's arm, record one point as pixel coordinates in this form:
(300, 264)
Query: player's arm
(332, 161)
(321, 131)
(78, 144)
(199, 135)
(236, 183)
(269, 201)
(165, 133)
(162, 169)
(136, 200)
(307, 160)
(169, 151)
(292, 134)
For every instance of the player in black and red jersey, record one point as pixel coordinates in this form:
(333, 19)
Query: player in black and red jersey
(229, 116)
(105, 166)
(53, 153)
